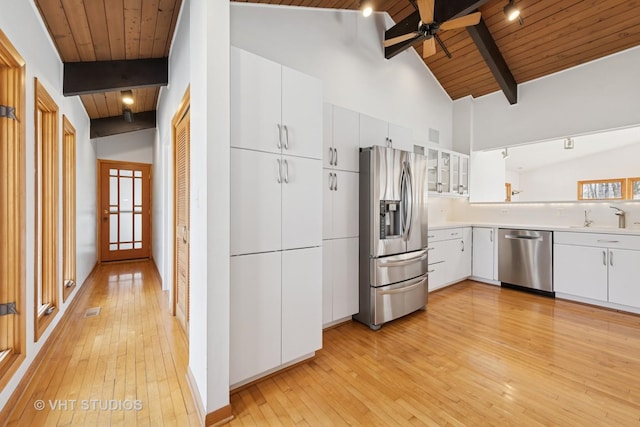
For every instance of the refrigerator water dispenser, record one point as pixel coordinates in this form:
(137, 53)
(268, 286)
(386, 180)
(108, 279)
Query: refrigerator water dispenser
(390, 219)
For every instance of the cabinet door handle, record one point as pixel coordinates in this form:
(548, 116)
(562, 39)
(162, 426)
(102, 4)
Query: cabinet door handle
(184, 234)
(608, 241)
(335, 160)
(491, 236)
(330, 181)
(279, 171)
(462, 243)
(279, 136)
(611, 258)
(286, 172)
(286, 137)
(335, 185)
(604, 257)
(331, 156)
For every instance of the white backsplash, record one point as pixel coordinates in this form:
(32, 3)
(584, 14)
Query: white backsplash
(443, 210)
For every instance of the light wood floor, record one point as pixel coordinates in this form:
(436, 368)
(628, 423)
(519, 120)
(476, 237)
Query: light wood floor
(480, 355)
(133, 351)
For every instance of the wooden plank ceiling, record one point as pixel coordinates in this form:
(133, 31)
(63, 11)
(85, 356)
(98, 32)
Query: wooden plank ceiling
(106, 30)
(556, 35)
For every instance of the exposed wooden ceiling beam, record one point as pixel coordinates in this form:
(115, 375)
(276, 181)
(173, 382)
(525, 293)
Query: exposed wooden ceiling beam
(82, 78)
(116, 124)
(443, 11)
(492, 56)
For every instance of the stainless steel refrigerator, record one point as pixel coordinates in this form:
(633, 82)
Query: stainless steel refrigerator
(393, 235)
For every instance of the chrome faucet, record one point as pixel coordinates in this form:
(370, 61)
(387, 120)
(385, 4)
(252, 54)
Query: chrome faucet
(587, 221)
(621, 216)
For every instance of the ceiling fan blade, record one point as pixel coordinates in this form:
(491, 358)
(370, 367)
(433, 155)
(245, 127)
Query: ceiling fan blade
(429, 47)
(401, 38)
(425, 7)
(463, 21)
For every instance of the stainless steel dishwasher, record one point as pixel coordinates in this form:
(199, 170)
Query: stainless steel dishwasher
(525, 259)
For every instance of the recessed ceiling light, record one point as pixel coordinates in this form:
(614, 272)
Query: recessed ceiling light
(127, 97)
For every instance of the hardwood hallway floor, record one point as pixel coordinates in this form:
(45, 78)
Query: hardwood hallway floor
(125, 366)
(480, 355)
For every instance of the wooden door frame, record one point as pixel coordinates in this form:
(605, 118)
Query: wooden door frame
(184, 105)
(99, 199)
(17, 189)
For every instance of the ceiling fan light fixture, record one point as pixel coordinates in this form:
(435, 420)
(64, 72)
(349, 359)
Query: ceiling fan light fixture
(127, 97)
(512, 11)
(366, 7)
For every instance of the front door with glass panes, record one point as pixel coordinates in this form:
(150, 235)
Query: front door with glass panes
(125, 210)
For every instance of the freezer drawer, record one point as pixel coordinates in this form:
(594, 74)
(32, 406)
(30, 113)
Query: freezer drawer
(398, 268)
(393, 301)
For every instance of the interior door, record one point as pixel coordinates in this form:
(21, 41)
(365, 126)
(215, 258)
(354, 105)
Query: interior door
(125, 210)
(181, 211)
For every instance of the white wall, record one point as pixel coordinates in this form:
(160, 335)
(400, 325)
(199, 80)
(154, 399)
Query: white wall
(344, 50)
(168, 103)
(558, 181)
(127, 147)
(595, 96)
(21, 23)
(200, 57)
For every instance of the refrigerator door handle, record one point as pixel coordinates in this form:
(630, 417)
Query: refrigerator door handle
(410, 198)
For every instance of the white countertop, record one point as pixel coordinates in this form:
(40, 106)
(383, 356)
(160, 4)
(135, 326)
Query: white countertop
(632, 231)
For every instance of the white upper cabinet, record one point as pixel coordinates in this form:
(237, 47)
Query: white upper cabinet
(255, 202)
(346, 148)
(256, 95)
(301, 114)
(401, 137)
(378, 132)
(274, 108)
(448, 172)
(340, 204)
(373, 132)
(327, 135)
(301, 202)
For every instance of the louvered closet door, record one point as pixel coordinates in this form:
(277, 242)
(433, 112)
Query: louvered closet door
(182, 150)
(125, 204)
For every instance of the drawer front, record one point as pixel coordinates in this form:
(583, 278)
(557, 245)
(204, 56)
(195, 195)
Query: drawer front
(437, 252)
(445, 234)
(600, 240)
(397, 268)
(399, 299)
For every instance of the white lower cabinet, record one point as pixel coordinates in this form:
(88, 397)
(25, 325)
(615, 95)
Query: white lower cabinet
(301, 308)
(624, 271)
(255, 307)
(484, 254)
(275, 312)
(449, 256)
(580, 271)
(598, 267)
(340, 279)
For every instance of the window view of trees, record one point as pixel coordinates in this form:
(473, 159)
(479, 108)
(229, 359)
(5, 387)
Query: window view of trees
(609, 189)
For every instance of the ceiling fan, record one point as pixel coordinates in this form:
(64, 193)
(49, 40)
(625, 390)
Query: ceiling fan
(428, 28)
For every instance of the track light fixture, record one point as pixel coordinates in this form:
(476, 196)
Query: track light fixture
(128, 115)
(505, 153)
(366, 7)
(512, 12)
(568, 143)
(127, 97)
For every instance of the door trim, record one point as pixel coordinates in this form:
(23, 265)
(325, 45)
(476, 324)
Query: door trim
(99, 208)
(183, 107)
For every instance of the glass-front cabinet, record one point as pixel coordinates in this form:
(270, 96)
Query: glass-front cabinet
(448, 172)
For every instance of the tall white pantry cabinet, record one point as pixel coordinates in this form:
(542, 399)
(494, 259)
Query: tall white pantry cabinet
(276, 216)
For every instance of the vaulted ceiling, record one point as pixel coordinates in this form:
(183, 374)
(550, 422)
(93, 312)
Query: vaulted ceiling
(555, 35)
